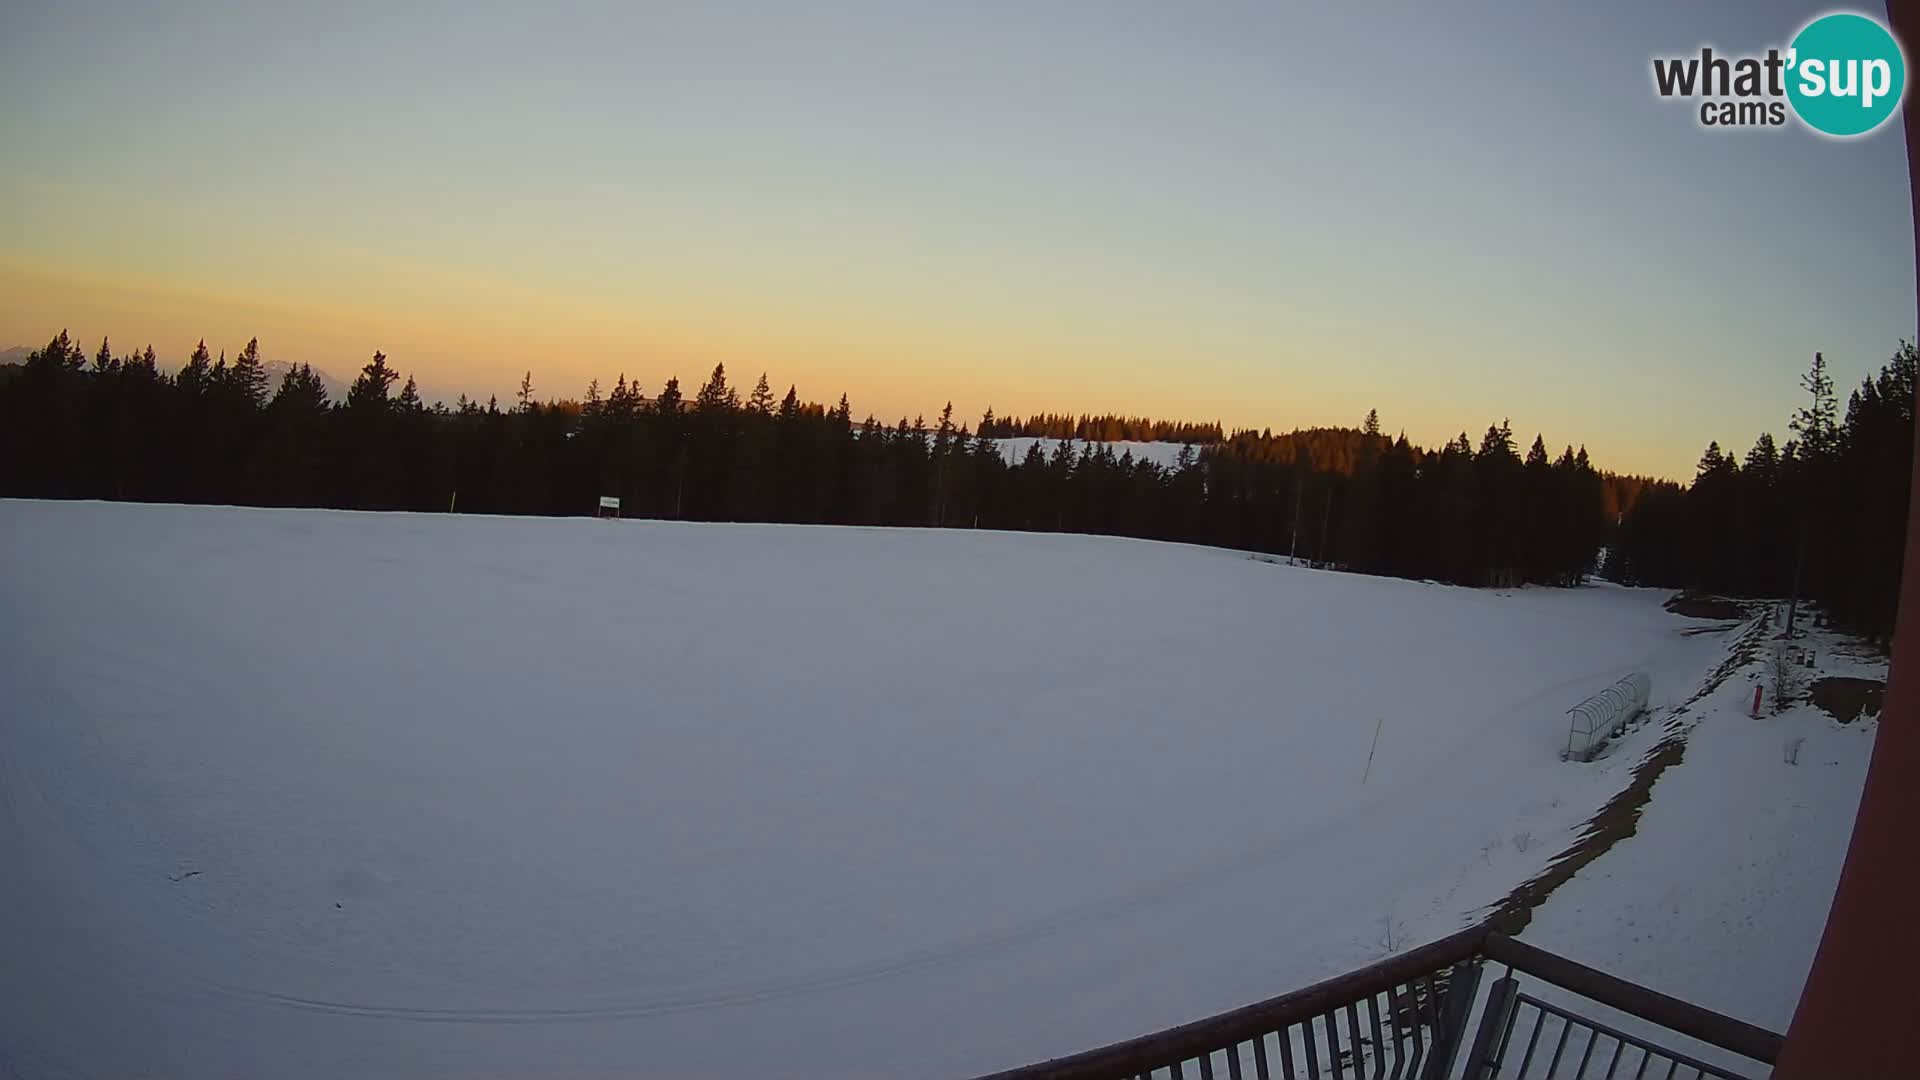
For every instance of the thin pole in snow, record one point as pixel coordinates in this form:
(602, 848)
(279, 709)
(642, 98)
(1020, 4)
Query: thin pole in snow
(1371, 749)
(1293, 553)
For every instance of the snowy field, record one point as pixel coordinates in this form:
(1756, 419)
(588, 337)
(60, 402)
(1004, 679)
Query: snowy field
(305, 793)
(1163, 454)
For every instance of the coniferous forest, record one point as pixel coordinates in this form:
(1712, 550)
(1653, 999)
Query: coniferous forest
(1820, 516)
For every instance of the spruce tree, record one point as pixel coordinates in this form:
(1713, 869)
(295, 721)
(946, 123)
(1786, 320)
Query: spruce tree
(623, 403)
(1497, 442)
(369, 392)
(669, 402)
(716, 395)
(61, 354)
(248, 379)
(301, 391)
(762, 400)
(1814, 422)
(196, 374)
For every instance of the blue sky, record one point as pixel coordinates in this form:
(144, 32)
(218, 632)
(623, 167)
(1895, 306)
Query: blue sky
(1273, 215)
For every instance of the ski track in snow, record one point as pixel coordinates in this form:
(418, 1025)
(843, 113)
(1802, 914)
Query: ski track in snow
(847, 801)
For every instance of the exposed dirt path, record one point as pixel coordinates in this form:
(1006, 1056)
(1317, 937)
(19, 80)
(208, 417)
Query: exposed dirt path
(1620, 817)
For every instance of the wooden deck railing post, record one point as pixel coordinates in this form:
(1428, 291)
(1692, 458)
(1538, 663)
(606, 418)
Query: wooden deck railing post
(1491, 1034)
(1463, 985)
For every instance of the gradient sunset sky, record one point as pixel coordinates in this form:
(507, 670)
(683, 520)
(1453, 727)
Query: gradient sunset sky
(1267, 214)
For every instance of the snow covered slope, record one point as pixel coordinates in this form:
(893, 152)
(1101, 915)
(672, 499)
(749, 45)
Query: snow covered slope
(1722, 893)
(1164, 454)
(316, 793)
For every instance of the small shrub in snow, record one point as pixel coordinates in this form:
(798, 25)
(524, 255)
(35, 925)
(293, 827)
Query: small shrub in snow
(1393, 935)
(1783, 676)
(1522, 841)
(1791, 752)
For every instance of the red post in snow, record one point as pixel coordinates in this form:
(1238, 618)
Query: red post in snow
(1756, 703)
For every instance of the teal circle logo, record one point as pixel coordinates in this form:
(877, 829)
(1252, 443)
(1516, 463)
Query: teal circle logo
(1845, 74)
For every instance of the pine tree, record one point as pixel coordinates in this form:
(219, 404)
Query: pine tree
(669, 402)
(1537, 454)
(623, 404)
(943, 450)
(716, 395)
(1063, 456)
(61, 354)
(762, 400)
(196, 375)
(1814, 422)
(300, 391)
(247, 378)
(525, 393)
(1371, 425)
(369, 391)
(1497, 442)
(1711, 462)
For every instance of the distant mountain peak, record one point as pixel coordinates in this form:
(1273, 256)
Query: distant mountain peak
(277, 370)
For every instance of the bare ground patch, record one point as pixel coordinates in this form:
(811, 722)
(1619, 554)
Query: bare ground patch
(1695, 605)
(1848, 699)
(1620, 817)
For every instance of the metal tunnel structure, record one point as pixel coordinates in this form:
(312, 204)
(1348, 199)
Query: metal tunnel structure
(1599, 718)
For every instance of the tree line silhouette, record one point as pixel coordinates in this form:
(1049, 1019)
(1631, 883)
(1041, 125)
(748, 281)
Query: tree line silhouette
(1822, 516)
(118, 427)
(1107, 428)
